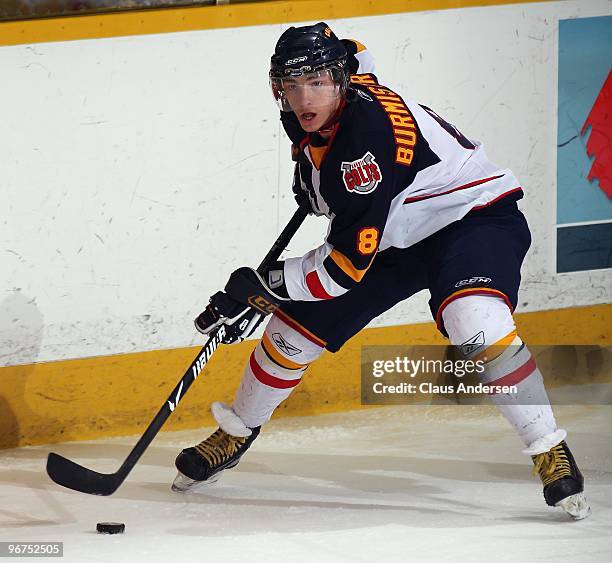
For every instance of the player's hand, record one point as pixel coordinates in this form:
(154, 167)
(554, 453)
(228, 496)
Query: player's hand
(247, 299)
(240, 328)
(249, 288)
(240, 321)
(220, 308)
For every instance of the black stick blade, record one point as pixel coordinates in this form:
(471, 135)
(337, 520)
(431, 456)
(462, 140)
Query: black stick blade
(78, 478)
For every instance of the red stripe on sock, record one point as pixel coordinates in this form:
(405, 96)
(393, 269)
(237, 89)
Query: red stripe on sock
(316, 287)
(517, 375)
(270, 380)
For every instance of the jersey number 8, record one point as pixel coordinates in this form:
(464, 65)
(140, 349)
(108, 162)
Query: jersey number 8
(367, 240)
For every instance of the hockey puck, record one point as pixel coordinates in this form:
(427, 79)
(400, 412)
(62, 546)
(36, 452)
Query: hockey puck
(110, 527)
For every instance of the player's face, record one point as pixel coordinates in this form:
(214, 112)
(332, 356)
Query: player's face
(313, 98)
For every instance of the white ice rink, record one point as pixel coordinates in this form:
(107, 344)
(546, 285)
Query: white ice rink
(411, 483)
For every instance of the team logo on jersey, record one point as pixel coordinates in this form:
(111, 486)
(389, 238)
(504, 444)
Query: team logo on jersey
(362, 175)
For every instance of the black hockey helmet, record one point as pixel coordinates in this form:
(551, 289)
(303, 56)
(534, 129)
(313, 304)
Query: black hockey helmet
(306, 50)
(301, 50)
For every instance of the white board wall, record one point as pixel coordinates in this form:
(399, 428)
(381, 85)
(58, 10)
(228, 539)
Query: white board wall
(138, 172)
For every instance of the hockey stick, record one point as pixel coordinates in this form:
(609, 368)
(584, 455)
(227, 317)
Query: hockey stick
(74, 476)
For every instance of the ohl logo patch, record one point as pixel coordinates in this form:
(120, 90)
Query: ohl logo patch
(362, 175)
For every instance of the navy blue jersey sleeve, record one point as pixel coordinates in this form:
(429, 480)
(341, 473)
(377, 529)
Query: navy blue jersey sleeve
(359, 184)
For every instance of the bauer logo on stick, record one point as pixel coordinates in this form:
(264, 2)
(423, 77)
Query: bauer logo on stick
(361, 176)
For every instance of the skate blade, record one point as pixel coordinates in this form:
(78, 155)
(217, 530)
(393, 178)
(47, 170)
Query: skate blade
(576, 506)
(183, 484)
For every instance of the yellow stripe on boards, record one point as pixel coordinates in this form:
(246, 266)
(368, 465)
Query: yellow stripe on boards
(167, 20)
(119, 395)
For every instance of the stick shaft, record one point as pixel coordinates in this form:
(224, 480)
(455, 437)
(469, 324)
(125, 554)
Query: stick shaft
(208, 349)
(75, 476)
(283, 239)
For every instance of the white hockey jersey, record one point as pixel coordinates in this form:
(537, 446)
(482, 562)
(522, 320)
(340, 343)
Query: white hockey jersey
(392, 173)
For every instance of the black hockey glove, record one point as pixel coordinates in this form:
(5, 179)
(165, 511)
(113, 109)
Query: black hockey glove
(248, 287)
(240, 321)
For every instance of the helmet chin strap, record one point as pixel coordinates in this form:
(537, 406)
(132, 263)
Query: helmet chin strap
(333, 119)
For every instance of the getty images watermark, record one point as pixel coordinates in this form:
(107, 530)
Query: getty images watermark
(443, 375)
(422, 367)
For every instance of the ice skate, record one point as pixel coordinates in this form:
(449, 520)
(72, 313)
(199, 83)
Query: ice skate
(202, 464)
(562, 480)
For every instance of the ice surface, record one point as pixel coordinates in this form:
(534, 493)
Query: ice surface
(414, 483)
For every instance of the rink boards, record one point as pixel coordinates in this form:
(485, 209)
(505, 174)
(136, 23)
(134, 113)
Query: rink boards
(119, 395)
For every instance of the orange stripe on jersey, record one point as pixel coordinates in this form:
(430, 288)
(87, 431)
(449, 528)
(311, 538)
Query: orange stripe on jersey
(347, 266)
(470, 291)
(299, 328)
(317, 154)
(360, 46)
(276, 356)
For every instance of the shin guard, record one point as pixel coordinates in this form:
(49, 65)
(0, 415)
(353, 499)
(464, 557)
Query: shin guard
(274, 369)
(482, 326)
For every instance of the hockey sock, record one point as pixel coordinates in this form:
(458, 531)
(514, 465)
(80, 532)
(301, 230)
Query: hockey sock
(482, 326)
(274, 369)
(528, 409)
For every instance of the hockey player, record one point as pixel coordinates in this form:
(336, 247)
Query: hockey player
(413, 204)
